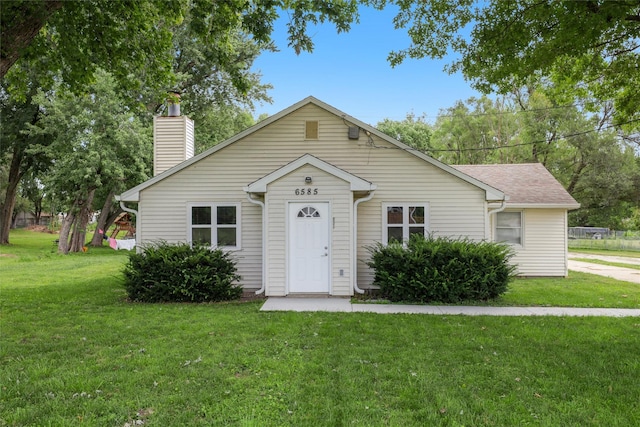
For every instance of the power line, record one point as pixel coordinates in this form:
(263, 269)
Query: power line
(500, 113)
(494, 113)
(571, 135)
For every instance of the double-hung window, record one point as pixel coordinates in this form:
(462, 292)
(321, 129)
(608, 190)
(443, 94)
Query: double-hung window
(401, 220)
(509, 227)
(215, 225)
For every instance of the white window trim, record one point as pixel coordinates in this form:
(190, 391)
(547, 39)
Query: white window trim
(213, 226)
(405, 219)
(495, 228)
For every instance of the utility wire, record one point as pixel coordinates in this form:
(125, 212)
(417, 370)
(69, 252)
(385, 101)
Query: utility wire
(501, 113)
(572, 135)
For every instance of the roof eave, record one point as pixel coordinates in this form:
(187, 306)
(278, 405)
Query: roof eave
(129, 196)
(491, 193)
(356, 183)
(568, 206)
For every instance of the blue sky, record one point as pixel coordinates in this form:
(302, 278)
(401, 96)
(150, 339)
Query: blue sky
(350, 71)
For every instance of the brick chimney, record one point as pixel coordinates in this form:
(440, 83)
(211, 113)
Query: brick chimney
(173, 140)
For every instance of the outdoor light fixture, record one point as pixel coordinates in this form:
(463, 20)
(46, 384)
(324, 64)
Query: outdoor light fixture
(307, 180)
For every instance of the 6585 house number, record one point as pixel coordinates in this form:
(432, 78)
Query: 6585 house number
(306, 191)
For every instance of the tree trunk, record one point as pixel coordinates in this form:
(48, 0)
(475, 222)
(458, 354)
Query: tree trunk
(103, 219)
(79, 233)
(6, 215)
(37, 210)
(63, 239)
(575, 176)
(26, 18)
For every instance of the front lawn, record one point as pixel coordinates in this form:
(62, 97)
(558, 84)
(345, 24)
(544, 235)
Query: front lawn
(74, 352)
(578, 290)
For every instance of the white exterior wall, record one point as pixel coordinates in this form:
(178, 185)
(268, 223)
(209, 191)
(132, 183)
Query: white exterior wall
(332, 190)
(175, 138)
(544, 249)
(456, 208)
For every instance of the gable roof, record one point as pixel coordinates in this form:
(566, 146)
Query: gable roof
(526, 185)
(491, 192)
(357, 183)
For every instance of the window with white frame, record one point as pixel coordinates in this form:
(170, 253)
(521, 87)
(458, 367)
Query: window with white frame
(509, 227)
(215, 225)
(401, 220)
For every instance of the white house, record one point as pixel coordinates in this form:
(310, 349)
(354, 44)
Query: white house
(299, 197)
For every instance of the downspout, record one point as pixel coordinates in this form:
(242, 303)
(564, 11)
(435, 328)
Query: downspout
(495, 211)
(354, 266)
(131, 211)
(264, 261)
(126, 209)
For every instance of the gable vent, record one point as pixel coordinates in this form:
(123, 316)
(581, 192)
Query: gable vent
(311, 129)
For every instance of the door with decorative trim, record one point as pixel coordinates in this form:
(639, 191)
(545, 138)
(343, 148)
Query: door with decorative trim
(308, 247)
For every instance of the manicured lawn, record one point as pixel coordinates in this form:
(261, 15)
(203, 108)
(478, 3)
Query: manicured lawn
(578, 290)
(615, 264)
(611, 252)
(74, 352)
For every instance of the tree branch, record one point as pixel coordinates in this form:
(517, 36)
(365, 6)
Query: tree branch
(21, 22)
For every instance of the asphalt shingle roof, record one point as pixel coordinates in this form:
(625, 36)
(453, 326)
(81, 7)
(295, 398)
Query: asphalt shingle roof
(525, 184)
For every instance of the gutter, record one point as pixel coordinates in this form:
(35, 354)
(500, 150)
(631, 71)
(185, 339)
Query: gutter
(354, 251)
(264, 254)
(500, 209)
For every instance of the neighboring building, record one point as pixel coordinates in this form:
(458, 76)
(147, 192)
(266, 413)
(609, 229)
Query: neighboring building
(300, 196)
(28, 219)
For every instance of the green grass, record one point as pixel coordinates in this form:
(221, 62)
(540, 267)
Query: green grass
(613, 264)
(608, 252)
(578, 290)
(74, 352)
(625, 245)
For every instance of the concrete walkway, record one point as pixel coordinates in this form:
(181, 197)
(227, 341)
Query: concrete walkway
(345, 305)
(618, 273)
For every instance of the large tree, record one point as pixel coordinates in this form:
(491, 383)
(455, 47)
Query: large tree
(413, 131)
(589, 48)
(213, 76)
(15, 158)
(97, 145)
(477, 131)
(123, 36)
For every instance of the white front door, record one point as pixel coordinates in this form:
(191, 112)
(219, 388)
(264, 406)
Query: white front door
(308, 247)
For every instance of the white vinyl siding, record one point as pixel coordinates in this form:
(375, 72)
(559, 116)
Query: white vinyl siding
(456, 208)
(330, 189)
(175, 136)
(544, 246)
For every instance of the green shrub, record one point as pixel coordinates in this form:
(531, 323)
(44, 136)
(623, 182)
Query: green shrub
(181, 273)
(441, 270)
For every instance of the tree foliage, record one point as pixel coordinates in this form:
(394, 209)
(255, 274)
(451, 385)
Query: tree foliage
(214, 78)
(16, 161)
(590, 49)
(413, 131)
(125, 37)
(587, 153)
(96, 142)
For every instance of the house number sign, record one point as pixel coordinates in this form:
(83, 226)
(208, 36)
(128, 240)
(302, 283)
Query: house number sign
(306, 191)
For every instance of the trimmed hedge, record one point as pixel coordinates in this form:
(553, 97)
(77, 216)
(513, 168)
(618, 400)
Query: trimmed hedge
(181, 273)
(441, 269)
